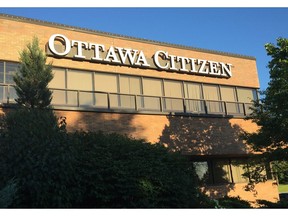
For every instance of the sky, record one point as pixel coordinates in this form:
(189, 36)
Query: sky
(237, 30)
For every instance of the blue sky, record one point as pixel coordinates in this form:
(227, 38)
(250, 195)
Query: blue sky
(235, 30)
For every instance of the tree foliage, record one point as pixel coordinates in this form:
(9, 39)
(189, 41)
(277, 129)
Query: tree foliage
(33, 146)
(270, 113)
(271, 205)
(33, 77)
(233, 202)
(280, 168)
(8, 194)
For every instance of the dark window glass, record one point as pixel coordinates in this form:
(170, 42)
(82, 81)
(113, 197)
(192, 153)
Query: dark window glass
(203, 172)
(1, 72)
(11, 69)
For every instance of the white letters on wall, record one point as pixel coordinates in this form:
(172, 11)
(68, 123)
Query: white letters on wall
(125, 56)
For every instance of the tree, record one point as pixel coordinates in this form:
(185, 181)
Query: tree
(33, 77)
(270, 113)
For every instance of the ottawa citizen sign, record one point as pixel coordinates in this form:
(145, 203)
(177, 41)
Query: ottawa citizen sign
(61, 47)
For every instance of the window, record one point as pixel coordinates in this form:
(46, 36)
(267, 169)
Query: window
(59, 82)
(59, 79)
(11, 69)
(1, 72)
(2, 88)
(106, 83)
(173, 90)
(7, 71)
(80, 82)
(202, 171)
(193, 93)
(152, 87)
(130, 85)
(246, 96)
(228, 94)
(2, 94)
(221, 171)
(212, 97)
(239, 167)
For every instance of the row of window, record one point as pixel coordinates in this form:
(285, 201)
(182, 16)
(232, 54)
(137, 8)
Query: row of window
(115, 91)
(115, 83)
(222, 171)
(134, 92)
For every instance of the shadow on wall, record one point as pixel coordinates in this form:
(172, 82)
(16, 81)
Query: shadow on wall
(218, 191)
(106, 122)
(206, 136)
(202, 136)
(189, 135)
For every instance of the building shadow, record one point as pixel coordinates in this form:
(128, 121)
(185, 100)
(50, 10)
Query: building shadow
(99, 121)
(209, 143)
(203, 136)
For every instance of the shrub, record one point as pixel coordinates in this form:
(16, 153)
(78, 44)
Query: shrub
(55, 169)
(268, 204)
(8, 194)
(233, 202)
(35, 151)
(120, 172)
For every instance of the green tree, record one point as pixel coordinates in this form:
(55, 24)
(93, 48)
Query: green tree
(33, 77)
(280, 168)
(270, 113)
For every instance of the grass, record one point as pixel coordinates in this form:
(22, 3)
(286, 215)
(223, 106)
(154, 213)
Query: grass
(283, 188)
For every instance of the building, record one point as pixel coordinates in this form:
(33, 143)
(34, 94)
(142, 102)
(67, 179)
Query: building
(191, 100)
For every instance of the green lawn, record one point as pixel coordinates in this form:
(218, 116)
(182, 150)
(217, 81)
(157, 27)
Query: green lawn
(283, 188)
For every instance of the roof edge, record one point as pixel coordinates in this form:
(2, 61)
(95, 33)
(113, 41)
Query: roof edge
(102, 33)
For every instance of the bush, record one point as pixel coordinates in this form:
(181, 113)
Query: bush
(268, 204)
(119, 172)
(233, 202)
(8, 194)
(55, 169)
(34, 150)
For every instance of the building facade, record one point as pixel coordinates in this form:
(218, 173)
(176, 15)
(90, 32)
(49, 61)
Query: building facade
(191, 100)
